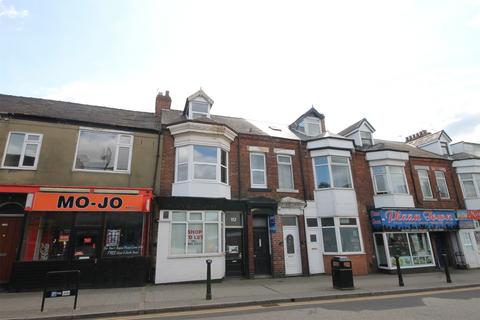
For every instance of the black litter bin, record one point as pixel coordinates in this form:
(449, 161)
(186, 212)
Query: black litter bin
(342, 275)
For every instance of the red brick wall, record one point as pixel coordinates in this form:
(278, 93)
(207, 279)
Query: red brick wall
(167, 171)
(359, 264)
(278, 253)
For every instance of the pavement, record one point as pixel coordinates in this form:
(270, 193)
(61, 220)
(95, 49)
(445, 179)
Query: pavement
(228, 293)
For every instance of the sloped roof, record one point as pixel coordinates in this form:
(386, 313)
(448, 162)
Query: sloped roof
(402, 146)
(355, 126)
(428, 138)
(78, 113)
(464, 156)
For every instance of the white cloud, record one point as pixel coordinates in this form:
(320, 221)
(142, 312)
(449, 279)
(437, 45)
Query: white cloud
(475, 21)
(10, 11)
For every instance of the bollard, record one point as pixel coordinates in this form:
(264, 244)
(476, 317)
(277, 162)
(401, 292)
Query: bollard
(399, 272)
(209, 280)
(447, 271)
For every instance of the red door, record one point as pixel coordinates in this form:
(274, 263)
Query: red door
(10, 229)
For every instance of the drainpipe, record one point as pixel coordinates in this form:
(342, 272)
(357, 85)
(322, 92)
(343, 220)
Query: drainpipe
(238, 169)
(413, 182)
(302, 171)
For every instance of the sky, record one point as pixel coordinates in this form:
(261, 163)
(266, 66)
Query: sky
(404, 65)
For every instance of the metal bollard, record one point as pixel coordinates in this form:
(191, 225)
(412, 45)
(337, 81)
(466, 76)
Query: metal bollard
(209, 280)
(399, 272)
(447, 271)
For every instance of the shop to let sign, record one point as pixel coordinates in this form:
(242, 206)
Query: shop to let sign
(44, 201)
(413, 219)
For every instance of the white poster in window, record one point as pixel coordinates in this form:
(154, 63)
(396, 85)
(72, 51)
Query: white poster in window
(113, 238)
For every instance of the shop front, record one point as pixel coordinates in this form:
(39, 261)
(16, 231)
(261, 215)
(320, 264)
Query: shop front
(417, 237)
(469, 237)
(101, 232)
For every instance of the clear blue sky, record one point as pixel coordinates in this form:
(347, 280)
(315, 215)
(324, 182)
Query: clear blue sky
(404, 65)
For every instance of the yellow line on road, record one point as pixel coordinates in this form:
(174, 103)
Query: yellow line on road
(267, 306)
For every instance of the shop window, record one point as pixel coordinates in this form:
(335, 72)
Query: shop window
(195, 232)
(47, 237)
(381, 254)
(258, 171)
(442, 185)
(425, 184)
(201, 163)
(123, 234)
(341, 235)
(22, 150)
(389, 180)
(233, 219)
(470, 185)
(412, 248)
(103, 151)
(332, 172)
(285, 172)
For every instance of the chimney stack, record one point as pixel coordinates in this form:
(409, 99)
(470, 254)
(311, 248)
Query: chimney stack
(417, 135)
(162, 102)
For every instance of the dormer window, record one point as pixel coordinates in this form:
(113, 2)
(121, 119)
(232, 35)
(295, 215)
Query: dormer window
(199, 109)
(366, 138)
(312, 126)
(444, 147)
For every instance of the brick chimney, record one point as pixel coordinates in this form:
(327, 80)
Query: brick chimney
(417, 135)
(162, 102)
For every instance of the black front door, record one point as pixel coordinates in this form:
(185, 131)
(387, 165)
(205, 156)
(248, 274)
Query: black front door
(233, 251)
(261, 250)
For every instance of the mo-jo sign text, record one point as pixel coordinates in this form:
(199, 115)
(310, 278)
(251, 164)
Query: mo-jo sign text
(88, 202)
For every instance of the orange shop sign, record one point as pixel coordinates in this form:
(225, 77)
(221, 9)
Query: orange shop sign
(44, 201)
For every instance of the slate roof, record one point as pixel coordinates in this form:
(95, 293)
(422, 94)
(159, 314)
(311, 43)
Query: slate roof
(402, 146)
(77, 113)
(428, 138)
(354, 127)
(464, 156)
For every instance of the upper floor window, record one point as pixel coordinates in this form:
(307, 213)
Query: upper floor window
(285, 172)
(199, 109)
(470, 185)
(425, 184)
(22, 150)
(332, 172)
(312, 126)
(103, 151)
(389, 179)
(366, 138)
(202, 163)
(444, 147)
(442, 185)
(258, 170)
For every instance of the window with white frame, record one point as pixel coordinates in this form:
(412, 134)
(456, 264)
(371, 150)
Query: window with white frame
(425, 184)
(332, 172)
(103, 151)
(470, 185)
(389, 179)
(366, 138)
(22, 150)
(196, 232)
(199, 109)
(285, 172)
(444, 147)
(442, 185)
(312, 126)
(196, 162)
(258, 170)
(341, 235)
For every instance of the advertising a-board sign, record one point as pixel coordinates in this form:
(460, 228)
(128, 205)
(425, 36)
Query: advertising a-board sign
(88, 202)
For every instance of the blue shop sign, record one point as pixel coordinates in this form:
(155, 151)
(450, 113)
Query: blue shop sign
(271, 224)
(391, 219)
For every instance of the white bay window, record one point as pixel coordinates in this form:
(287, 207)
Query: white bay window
(332, 172)
(196, 162)
(470, 183)
(389, 180)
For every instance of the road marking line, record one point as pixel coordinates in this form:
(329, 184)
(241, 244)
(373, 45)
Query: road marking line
(285, 305)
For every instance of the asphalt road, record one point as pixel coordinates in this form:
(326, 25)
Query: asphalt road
(461, 304)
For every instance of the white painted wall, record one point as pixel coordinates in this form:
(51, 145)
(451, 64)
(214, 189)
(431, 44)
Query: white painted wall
(330, 142)
(314, 249)
(472, 204)
(393, 201)
(434, 147)
(470, 148)
(387, 154)
(182, 269)
(336, 202)
(198, 188)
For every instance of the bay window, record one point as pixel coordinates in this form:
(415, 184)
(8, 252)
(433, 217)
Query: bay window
(195, 232)
(258, 170)
(425, 184)
(470, 184)
(103, 151)
(389, 179)
(22, 150)
(341, 235)
(442, 185)
(285, 172)
(332, 172)
(196, 162)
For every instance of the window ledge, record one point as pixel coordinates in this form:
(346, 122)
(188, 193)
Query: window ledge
(200, 255)
(325, 189)
(100, 171)
(429, 200)
(201, 181)
(18, 168)
(254, 189)
(288, 190)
